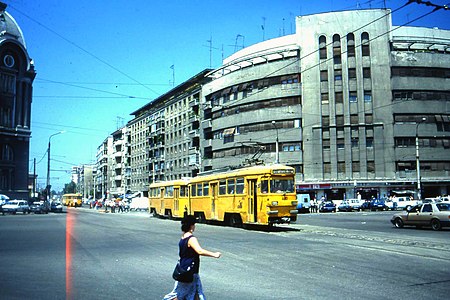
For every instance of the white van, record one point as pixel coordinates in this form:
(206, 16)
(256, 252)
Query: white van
(303, 202)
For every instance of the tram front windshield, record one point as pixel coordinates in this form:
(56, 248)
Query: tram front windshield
(281, 186)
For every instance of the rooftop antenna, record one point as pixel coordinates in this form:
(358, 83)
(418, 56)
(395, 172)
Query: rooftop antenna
(263, 27)
(119, 122)
(235, 43)
(173, 75)
(283, 26)
(210, 51)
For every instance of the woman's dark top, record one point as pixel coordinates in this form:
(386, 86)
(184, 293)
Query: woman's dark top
(188, 255)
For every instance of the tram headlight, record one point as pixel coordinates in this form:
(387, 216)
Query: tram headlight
(274, 203)
(294, 203)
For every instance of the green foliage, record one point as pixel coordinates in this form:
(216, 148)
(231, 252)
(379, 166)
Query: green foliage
(70, 188)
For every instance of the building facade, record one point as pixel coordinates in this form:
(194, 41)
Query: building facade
(353, 106)
(103, 164)
(171, 124)
(119, 177)
(342, 101)
(16, 79)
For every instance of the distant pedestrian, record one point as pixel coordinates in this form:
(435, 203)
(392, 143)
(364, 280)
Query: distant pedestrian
(190, 251)
(121, 206)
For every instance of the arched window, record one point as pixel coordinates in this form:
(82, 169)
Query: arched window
(322, 47)
(365, 44)
(336, 49)
(350, 45)
(7, 152)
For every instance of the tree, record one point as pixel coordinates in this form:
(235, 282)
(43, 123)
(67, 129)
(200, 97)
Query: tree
(70, 188)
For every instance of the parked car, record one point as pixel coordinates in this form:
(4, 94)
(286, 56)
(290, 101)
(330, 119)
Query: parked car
(14, 206)
(39, 207)
(344, 206)
(374, 204)
(303, 203)
(403, 203)
(327, 207)
(56, 206)
(350, 205)
(436, 215)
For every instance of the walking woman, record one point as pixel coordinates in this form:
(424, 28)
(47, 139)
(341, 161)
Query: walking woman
(190, 248)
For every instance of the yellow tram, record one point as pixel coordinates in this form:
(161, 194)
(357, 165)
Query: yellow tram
(262, 195)
(169, 198)
(74, 200)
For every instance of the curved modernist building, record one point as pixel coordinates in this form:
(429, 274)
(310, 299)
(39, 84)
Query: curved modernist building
(16, 78)
(343, 100)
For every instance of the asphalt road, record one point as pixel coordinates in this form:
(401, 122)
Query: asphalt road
(85, 254)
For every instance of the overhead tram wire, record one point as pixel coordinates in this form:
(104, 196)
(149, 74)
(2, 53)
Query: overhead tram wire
(84, 50)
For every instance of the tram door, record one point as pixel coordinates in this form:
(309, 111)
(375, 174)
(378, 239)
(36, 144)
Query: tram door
(162, 208)
(176, 201)
(214, 191)
(252, 201)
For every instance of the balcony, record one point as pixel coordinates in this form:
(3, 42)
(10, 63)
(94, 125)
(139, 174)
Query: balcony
(194, 133)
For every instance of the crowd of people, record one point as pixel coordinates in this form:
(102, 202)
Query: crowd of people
(117, 205)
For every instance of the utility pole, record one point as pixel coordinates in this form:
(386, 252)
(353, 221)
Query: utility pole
(277, 157)
(419, 187)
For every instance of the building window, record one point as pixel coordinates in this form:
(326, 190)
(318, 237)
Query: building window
(352, 73)
(7, 153)
(365, 44)
(339, 120)
(370, 167)
(367, 96)
(327, 168)
(325, 121)
(354, 120)
(337, 75)
(355, 166)
(353, 97)
(340, 143)
(326, 144)
(355, 142)
(369, 142)
(336, 49)
(341, 167)
(322, 47)
(324, 75)
(350, 45)
(338, 97)
(324, 98)
(366, 72)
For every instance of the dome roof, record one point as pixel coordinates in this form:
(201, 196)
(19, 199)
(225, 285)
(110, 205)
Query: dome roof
(9, 28)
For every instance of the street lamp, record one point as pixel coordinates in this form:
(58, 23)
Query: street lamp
(419, 188)
(277, 159)
(48, 164)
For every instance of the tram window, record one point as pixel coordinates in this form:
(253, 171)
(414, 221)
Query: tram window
(239, 185)
(281, 186)
(205, 189)
(264, 186)
(183, 191)
(199, 189)
(193, 191)
(222, 187)
(231, 186)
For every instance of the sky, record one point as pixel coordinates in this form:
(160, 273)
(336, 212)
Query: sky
(98, 61)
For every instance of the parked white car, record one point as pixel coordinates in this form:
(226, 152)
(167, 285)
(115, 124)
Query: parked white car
(139, 203)
(402, 203)
(14, 206)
